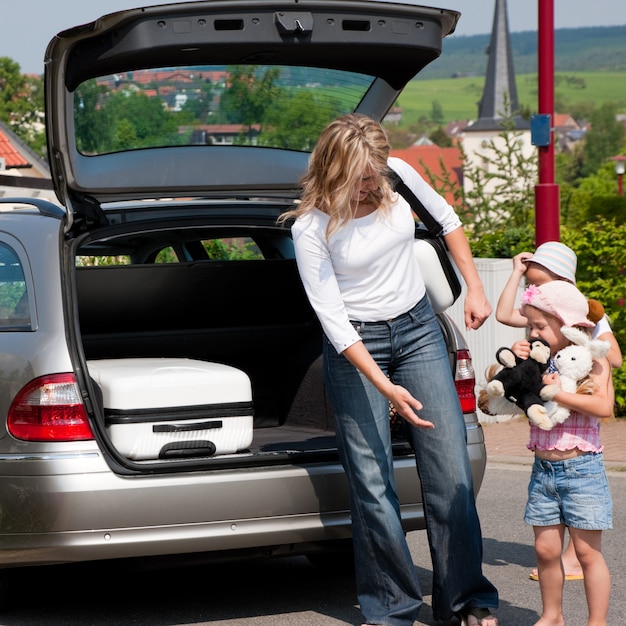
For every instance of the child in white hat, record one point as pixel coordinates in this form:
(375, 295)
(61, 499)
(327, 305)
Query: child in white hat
(568, 485)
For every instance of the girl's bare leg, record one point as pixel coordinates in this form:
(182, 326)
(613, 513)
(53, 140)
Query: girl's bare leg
(571, 564)
(588, 545)
(548, 548)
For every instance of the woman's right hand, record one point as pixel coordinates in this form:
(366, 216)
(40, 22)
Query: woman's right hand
(403, 402)
(406, 406)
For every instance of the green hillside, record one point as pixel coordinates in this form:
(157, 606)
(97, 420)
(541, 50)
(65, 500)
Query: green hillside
(599, 48)
(459, 97)
(590, 66)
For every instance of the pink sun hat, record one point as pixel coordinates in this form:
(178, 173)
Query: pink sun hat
(561, 299)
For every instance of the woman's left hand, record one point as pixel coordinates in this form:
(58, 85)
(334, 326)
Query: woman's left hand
(477, 309)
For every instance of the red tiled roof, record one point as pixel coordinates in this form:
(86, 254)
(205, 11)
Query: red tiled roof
(429, 158)
(12, 158)
(565, 120)
(228, 129)
(177, 76)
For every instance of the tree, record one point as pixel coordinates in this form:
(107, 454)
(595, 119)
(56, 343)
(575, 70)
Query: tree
(605, 138)
(440, 138)
(579, 202)
(108, 121)
(93, 126)
(601, 274)
(152, 124)
(22, 104)
(436, 113)
(249, 94)
(12, 86)
(297, 123)
(199, 106)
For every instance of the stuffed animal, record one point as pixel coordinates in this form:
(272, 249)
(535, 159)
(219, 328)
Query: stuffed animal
(574, 364)
(520, 382)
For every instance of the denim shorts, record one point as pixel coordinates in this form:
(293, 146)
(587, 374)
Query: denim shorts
(574, 492)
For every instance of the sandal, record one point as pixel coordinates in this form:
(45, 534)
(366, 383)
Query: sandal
(476, 616)
(534, 575)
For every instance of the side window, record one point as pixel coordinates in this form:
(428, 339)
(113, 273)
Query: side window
(92, 261)
(232, 249)
(14, 309)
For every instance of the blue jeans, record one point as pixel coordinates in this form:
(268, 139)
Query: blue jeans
(574, 492)
(411, 351)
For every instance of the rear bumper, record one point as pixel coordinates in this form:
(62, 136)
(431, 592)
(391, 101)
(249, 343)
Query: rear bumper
(71, 507)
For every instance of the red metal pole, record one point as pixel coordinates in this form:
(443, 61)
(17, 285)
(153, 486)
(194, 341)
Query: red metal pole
(547, 203)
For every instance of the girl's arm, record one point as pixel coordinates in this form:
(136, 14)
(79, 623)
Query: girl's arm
(404, 403)
(599, 404)
(506, 313)
(477, 308)
(615, 353)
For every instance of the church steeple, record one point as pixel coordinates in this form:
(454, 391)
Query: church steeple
(500, 93)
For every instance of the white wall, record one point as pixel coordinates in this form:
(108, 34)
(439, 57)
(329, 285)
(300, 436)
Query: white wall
(484, 342)
(477, 146)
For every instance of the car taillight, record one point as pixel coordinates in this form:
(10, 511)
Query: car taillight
(465, 381)
(49, 409)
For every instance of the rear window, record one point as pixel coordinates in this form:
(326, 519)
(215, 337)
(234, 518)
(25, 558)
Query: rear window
(271, 106)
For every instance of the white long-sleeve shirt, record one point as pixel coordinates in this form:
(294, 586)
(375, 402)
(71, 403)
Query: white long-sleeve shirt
(366, 271)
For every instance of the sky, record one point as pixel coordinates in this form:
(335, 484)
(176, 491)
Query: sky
(27, 26)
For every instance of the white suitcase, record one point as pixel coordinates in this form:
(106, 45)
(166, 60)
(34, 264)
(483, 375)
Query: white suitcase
(172, 408)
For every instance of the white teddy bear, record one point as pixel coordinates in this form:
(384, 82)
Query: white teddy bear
(573, 364)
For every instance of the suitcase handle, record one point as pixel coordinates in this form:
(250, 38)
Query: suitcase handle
(179, 428)
(186, 449)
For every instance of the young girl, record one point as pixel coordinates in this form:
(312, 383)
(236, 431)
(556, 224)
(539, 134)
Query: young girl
(550, 261)
(568, 485)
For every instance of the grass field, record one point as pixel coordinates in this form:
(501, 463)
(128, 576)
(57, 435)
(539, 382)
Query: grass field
(459, 97)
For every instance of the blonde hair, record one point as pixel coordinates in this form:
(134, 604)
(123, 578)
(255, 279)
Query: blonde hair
(348, 148)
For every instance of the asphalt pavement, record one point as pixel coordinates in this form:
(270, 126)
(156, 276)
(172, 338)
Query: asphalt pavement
(289, 592)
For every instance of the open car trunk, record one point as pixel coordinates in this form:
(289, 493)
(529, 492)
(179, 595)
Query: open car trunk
(250, 314)
(177, 125)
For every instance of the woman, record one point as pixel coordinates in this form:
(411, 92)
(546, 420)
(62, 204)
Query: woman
(353, 237)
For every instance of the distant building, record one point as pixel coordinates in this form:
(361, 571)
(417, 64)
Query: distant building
(394, 116)
(222, 134)
(567, 132)
(431, 158)
(499, 101)
(22, 172)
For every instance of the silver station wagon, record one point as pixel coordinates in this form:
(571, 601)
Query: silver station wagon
(160, 385)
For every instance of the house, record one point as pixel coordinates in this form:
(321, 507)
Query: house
(22, 172)
(394, 116)
(567, 131)
(432, 161)
(222, 134)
